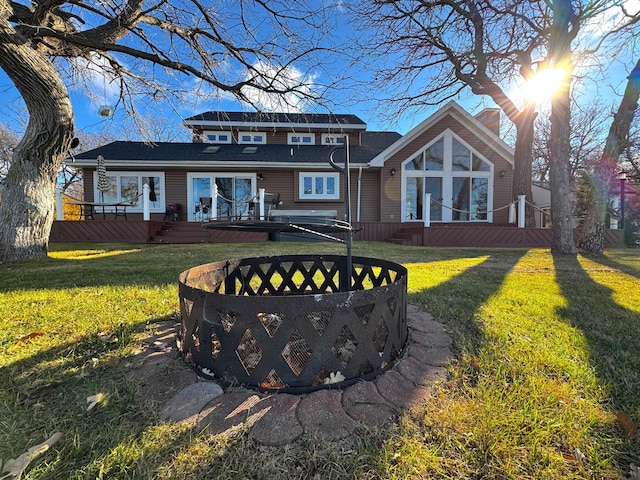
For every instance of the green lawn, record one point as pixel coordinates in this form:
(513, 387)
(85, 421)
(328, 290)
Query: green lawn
(546, 371)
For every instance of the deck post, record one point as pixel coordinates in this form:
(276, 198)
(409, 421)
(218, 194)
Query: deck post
(521, 199)
(261, 202)
(512, 212)
(146, 213)
(59, 204)
(213, 214)
(427, 210)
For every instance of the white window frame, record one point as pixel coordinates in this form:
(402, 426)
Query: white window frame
(332, 138)
(447, 174)
(301, 138)
(154, 207)
(212, 176)
(314, 176)
(216, 137)
(256, 138)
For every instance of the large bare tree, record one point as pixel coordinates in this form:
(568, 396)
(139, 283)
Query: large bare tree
(236, 48)
(601, 175)
(439, 49)
(564, 30)
(588, 129)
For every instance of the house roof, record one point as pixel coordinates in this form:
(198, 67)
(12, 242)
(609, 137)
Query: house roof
(460, 114)
(276, 120)
(185, 155)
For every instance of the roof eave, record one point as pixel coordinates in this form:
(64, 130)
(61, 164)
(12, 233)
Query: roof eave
(464, 117)
(283, 125)
(208, 164)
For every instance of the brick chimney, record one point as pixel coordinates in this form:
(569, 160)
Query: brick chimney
(490, 118)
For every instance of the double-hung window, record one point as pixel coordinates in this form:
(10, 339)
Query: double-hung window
(333, 138)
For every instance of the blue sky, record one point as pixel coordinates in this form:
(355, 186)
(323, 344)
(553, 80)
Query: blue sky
(357, 100)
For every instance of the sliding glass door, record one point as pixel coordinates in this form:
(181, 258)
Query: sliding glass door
(236, 193)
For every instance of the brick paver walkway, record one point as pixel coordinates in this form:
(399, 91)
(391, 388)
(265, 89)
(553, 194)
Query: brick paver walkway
(280, 418)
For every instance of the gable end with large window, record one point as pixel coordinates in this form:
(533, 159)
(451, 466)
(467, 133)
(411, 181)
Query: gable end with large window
(459, 179)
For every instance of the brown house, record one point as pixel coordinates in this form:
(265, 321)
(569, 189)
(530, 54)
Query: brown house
(454, 156)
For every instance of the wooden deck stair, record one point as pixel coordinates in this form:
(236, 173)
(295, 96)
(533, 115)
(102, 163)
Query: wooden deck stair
(181, 232)
(410, 235)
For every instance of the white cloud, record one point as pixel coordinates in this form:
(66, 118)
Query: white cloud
(97, 75)
(297, 88)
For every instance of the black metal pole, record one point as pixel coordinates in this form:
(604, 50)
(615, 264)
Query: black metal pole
(347, 207)
(347, 204)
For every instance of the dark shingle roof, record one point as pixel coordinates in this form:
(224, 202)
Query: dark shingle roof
(139, 153)
(275, 118)
(183, 153)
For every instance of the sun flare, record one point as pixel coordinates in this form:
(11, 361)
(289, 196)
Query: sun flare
(543, 84)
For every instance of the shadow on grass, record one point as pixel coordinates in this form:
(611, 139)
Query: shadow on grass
(456, 300)
(91, 265)
(46, 392)
(613, 334)
(49, 391)
(610, 262)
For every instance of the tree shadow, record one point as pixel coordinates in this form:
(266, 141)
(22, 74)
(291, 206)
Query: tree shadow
(612, 332)
(50, 390)
(610, 262)
(456, 300)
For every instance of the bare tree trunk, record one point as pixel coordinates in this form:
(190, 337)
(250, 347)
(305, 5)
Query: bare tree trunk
(592, 231)
(523, 159)
(28, 191)
(559, 142)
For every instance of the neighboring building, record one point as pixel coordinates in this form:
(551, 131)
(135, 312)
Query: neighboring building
(454, 156)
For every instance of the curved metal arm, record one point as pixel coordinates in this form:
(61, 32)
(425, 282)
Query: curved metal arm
(333, 163)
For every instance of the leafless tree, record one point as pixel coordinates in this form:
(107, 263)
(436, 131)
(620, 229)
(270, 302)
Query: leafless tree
(440, 49)
(147, 50)
(588, 125)
(619, 142)
(437, 50)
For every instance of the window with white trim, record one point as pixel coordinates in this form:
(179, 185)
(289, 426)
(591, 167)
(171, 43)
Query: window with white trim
(217, 137)
(127, 187)
(319, 186)
(252, 137)
(301, 138)
(458, 178)
(333, 138)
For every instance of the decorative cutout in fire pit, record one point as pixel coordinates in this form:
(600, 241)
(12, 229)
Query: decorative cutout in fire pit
(290, 323)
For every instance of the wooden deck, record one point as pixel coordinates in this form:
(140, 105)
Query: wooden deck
(438, 235)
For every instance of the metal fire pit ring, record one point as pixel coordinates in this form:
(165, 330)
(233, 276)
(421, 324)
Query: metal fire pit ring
(293, 323)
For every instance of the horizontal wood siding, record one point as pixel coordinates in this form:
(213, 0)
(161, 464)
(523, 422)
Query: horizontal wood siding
(370, 198)
(87, 184)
